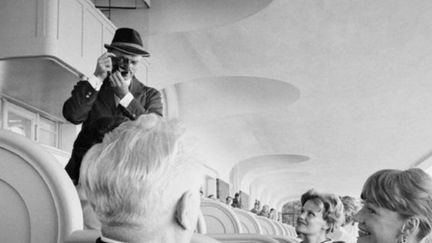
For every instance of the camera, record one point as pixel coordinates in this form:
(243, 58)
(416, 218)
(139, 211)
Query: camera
(115, 64)
(118, 64)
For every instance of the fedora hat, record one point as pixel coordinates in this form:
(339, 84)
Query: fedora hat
(128, 41)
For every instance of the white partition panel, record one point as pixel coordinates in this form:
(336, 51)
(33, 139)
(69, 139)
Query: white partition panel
(71, 32)
(38, 202)
(279, 228)
(248, 221)
(244, 238)
(291, 230)
(284, 229)
(268, 227)
(219, 218)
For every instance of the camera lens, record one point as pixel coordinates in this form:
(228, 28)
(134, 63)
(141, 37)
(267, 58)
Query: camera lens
(115, 64)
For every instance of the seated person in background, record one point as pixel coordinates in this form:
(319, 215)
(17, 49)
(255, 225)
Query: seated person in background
(236, 201)
(228, 200)
(347, 231)
(265, 212)
(320, 213)
(272, 214)
(397, 207)
(256, 207)
(142, 183)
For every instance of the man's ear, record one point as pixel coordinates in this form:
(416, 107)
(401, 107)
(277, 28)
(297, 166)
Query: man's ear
(410, 226)
(187, 210)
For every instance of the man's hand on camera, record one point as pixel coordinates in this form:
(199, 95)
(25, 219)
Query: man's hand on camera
(103, 65)
(118, 84)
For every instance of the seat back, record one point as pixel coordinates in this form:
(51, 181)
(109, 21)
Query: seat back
(39, 202)
(90, 236)
(285, 229)
(243, 238)
(279, 228)
(201, 225)
(219, 218)
(248, 221)
(83, 236)
(268, 227)
(286, 239)
(291, 230)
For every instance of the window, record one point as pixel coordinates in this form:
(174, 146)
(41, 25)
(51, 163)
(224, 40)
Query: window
(29, 124)
(20, 124)
(47, 133)
(19, 120)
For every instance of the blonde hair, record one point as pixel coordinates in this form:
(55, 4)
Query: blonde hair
(331, 204)
(407, 192)
(351, 207)
(138, 172)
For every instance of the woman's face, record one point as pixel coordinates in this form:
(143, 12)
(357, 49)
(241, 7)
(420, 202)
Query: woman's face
(378, 225)
(311, 221)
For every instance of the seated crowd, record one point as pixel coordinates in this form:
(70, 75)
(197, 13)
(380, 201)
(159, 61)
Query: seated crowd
(122, 178)
(397, 207)
(235, 201)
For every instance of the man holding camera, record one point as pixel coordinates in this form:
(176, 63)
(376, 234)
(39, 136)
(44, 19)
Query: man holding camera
(112, 92)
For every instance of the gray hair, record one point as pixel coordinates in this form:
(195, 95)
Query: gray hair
(138, 173)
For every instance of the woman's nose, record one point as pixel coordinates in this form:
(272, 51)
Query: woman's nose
(302, 215)
(358, 216)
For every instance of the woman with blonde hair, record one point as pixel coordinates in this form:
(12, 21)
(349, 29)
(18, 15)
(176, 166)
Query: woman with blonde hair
(320, 214)
(397, 207)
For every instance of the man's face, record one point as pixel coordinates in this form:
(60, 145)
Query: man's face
(126, 64)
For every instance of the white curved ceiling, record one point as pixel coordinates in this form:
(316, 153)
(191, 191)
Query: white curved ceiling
(170, 16)
(225, 97)
(254, 169)
(360, 71)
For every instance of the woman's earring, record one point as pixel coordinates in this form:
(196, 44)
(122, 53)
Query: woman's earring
(404, 239)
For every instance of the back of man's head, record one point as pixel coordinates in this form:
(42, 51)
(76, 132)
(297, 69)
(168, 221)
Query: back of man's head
(142, 181)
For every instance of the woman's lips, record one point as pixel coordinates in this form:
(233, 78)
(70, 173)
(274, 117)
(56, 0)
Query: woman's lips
(363, 232)
(301, 222)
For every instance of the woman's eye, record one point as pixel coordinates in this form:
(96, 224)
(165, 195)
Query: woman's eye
(371, 210)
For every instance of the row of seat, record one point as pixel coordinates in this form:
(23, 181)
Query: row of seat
(89, 236)
(39, 199)
(222, 219)
(223, 224)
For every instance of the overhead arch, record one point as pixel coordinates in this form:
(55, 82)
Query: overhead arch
(247, 170)
(172, 16)
(265, 176)
(229, 96)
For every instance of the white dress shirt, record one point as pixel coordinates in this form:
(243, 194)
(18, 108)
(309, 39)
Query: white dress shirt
(96, 83)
